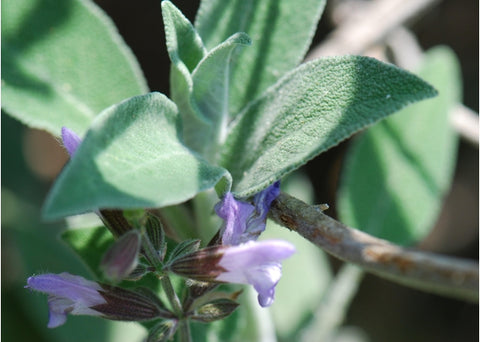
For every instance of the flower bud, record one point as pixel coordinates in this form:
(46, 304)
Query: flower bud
(215, 310)
(163, 331)
(122, 257)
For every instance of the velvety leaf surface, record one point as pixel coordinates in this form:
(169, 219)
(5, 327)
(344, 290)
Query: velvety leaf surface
(211, 88)
(310, 110)
(62, 63)
(185, 49)
(281, 31)
(133, 158)
(397, 172)
(199, 81)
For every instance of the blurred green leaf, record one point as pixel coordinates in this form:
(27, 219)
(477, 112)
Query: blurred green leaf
(281, 31)
(90, 244)
(249, 322)
(310, 110)
(62, 63)
(397, 173)
(134, 158)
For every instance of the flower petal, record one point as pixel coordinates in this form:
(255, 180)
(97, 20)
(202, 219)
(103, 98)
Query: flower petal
(258, 264)
(71, 141)
(235, 214)
(69, 286)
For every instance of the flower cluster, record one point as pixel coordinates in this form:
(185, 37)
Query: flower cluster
(236, 257)
(241, 259)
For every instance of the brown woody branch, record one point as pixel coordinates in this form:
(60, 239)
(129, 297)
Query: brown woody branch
(430, 272)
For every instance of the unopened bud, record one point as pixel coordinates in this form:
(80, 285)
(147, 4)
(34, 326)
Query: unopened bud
(215, 310)
(163, 331)
(131, 305)
(122, 258)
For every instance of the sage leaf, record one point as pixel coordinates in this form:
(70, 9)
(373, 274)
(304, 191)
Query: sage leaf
(310, 110)
(199, 81)
(211, 90)
(185, 49)
(397, 173)
(50, 77)
(134, 158)
(281, 32)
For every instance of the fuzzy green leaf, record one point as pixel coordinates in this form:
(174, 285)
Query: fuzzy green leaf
(134, 158)
(281, 31)
(63, 62)
(397, 172)
(199, 81)
(211, 89)
(185, 49)
(310, 110)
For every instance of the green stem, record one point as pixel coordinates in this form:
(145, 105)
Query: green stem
(184, 331)
(172, 296)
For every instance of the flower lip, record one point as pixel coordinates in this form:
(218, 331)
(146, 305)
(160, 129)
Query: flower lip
(258, 264)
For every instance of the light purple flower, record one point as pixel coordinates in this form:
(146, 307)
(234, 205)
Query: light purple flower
(258, 264)
(67, 294)
(243, 221)
(70, 294)
(70, 140)
(247, 261)
(235, 214)
(255, 262)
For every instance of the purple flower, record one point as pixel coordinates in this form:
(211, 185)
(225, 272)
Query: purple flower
(71, 141)
(247, 261)
(254, 262)
(70, 294)
(67, 294)
(235, 214)
(243, 221)
(258, 264)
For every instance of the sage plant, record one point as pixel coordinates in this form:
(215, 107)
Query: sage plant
(184, 184)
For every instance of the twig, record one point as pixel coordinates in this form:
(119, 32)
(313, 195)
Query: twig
(408, 53)
(370, 27)
(430, 272)
(335, 302)
(465, 122)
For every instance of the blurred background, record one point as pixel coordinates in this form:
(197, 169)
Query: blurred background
(381, 311)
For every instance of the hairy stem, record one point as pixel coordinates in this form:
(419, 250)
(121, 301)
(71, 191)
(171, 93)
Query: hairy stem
(184, 331)
(430, 272)
(172, 296)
